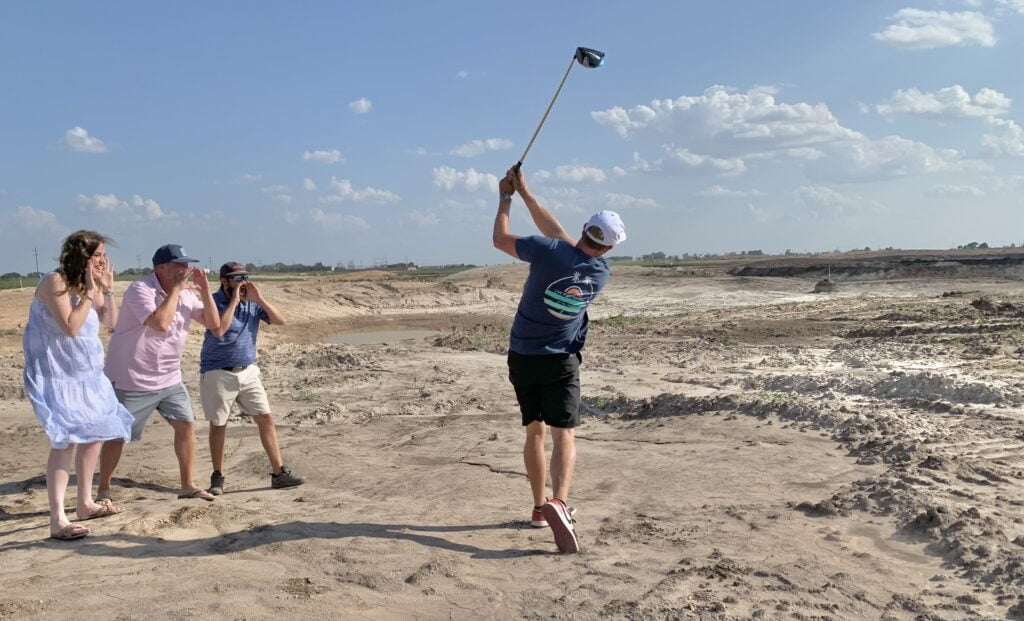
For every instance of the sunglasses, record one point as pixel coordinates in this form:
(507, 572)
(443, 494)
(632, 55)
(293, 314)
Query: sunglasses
(238, 278)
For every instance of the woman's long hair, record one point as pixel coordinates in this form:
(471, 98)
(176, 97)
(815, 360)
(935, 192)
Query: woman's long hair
(78, 248)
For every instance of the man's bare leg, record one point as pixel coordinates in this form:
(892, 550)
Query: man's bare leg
(110, 455)
(268, 437)
(563, 461)
(217, 436)
(536, 460)
(185, 450)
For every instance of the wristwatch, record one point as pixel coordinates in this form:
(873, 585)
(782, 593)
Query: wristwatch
(504, 197)
(108, 293)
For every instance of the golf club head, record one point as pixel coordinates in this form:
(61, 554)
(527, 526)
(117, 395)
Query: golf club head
(589, 58)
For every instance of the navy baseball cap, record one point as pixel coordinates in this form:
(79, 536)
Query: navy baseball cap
(171, 253)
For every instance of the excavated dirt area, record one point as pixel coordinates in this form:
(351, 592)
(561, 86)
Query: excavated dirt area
(750, 450)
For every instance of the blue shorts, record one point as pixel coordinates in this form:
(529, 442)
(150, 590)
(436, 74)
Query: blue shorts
(172, 402)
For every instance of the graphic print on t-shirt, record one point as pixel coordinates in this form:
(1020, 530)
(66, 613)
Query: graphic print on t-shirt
(567, 297)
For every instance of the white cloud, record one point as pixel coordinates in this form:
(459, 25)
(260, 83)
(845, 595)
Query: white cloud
(462, 74)
(920, 29)
(424, 219)
(723, 129)
(360, 106)
(579, 172)
(279, 193)
(328, 221)
(950, 102)
(684, 161)
(38, 220)
(717, 191)
(1007, 141)
(1014, 6)
(309, 184)
(616, 200)
(448, 178)
(805, 153)
(343, 191)
(247, 178)
(828, 202)
(730, 121)
(135, 209)
(421, 151)
(78, 139)
(759, 214)
(954, 191)
(890, 157)
(332, 156)
(687, 161)
(474, 148)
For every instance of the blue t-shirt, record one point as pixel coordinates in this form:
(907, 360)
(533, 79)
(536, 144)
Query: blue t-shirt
(237, 348)
(563, 281)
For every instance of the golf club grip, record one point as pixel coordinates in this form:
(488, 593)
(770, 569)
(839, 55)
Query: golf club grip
(518, 165)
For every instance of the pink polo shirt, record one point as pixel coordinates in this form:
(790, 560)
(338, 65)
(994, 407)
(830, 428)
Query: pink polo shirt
(139, 357)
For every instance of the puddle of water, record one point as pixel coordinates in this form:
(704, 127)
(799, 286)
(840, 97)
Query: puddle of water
(379, 337)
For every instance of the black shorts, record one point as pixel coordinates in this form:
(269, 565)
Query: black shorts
(547, 387)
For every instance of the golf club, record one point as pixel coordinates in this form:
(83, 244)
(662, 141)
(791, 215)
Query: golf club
(585, 56)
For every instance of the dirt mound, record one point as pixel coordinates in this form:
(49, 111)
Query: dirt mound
(325, 414)
(898, 385)
(825, 286)
(986, 305)
(317, 356)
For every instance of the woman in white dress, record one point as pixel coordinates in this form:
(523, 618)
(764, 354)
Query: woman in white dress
(73, 400)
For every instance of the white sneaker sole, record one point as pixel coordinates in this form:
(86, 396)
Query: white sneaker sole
(562, 527)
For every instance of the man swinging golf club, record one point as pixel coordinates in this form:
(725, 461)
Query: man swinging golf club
(547, 336)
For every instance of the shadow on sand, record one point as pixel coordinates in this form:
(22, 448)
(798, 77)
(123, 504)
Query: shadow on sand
(122, 545)
(20, 487)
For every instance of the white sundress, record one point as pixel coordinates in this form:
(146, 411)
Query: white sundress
(72, 398)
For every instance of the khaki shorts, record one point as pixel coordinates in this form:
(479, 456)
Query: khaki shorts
(219, 390)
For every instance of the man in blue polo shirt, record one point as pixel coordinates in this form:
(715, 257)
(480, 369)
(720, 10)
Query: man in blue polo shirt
(547, 336)
(229, 375)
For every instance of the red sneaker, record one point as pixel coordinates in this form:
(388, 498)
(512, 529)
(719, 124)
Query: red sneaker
(557, 514)
(537, 518)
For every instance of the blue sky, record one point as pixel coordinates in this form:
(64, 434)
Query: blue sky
(337, 132)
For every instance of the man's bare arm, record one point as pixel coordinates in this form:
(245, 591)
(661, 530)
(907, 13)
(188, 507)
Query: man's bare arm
(502, 239)
(546, 222)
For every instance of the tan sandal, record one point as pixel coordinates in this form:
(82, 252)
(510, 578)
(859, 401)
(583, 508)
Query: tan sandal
(107, 509)
(70, 533)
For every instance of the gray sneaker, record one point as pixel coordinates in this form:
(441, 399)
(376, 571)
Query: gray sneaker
(285, 479)
(216, 483)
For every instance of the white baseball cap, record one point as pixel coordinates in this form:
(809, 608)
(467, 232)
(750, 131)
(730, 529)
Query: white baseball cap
(612, 231)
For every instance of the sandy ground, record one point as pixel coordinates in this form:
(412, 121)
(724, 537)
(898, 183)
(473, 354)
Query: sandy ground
(749, 450)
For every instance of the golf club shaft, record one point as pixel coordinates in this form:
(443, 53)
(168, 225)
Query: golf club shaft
(545, 117)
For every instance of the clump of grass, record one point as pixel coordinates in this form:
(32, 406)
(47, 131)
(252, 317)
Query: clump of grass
(622, 321)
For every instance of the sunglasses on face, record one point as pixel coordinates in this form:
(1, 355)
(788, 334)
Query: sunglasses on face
(239, 278)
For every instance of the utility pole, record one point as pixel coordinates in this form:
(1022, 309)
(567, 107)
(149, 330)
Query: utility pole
(35, 251)
(138, 258)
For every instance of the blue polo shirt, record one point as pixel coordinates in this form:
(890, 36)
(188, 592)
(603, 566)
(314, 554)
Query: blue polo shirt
(237, 348)
(563, 281)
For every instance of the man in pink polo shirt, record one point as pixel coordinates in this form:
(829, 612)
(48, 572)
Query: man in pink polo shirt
(144, 357)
